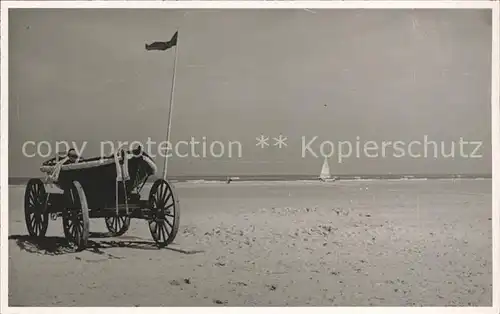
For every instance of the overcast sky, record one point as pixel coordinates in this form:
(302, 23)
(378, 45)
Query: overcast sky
(380, 75)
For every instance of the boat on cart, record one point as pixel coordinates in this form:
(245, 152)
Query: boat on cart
(101, 187)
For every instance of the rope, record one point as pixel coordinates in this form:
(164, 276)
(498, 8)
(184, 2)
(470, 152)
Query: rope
(119, 175)
(53, 176)
(116, 197)
(122, 175)
(126, 175)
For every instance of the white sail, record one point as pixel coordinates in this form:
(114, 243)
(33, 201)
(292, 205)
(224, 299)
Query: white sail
(325, 171)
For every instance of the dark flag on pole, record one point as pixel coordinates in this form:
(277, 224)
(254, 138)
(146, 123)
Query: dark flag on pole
(163, 45)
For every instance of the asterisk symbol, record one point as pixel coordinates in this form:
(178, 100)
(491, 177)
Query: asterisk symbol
(262, 141)
(280, 141)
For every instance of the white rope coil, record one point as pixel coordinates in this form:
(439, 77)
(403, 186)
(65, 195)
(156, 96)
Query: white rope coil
(53, 176)
(122, 175)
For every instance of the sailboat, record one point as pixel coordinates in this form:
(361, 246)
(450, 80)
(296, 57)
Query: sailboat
(325, 174)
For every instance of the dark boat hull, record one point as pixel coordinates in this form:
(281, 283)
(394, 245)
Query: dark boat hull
(99, 179)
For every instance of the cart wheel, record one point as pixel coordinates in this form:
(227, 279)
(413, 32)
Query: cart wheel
(36, 214)
(117, 226)
(165, 211)
(76, 216)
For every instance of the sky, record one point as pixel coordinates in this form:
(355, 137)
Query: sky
(338, 78)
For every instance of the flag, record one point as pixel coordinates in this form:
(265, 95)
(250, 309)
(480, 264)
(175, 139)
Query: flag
(163, 45)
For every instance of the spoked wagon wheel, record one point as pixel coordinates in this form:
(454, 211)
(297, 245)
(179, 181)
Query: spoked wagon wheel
(165, 212)
(36, 214)
(76, 216)
(117, 226)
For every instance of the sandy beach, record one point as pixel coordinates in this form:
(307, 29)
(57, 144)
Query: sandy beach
(346, 243)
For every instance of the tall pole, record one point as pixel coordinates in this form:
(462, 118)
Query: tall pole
(169, 125)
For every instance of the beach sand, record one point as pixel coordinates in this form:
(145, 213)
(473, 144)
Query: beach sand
(346, 243)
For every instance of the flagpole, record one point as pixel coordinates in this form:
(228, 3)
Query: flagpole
(169, 125)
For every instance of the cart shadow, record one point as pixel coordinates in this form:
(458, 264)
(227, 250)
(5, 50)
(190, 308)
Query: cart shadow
(43, 246)
(60, 246)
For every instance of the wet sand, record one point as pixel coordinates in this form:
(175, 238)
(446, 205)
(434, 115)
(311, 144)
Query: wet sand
(346, 243)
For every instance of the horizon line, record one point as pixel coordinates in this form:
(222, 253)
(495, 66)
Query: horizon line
(295, 177)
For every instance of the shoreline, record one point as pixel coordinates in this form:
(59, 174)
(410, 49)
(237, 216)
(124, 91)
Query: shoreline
(291, 179)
